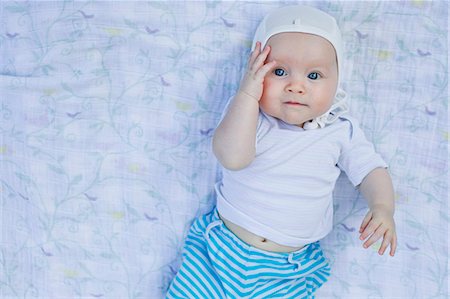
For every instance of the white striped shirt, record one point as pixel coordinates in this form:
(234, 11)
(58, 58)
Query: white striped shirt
(285, 194)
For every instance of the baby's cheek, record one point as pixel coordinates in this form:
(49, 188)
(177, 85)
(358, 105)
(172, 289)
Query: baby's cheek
(327, 101)
(323, 107)
(268, 88)
(268, 83)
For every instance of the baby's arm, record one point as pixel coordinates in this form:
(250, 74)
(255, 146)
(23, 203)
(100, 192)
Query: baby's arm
(234, 138)
(379, 221)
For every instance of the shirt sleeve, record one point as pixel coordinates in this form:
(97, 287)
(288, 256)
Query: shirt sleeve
(358, 157)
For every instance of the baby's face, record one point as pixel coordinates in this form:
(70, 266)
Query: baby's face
(303, 83)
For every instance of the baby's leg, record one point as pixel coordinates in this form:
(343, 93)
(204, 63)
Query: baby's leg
(196, 277)
(252, 273)
(217, 264)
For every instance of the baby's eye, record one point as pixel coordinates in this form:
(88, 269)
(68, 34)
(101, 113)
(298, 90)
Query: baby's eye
(314, 76)
(280, 72)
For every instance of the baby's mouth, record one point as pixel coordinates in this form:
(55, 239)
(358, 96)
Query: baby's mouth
(293, 103)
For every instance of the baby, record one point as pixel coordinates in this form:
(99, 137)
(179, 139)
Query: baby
(283, 140)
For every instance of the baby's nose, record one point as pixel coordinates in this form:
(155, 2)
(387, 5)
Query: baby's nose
(296, 87)
(296, 90)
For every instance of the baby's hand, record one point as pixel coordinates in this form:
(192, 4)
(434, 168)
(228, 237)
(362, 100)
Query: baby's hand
(379, 222)
(252, 83)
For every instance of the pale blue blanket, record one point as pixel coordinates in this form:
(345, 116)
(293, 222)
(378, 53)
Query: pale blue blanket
(107, 111)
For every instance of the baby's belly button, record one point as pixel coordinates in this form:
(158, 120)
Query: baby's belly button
(255, 240)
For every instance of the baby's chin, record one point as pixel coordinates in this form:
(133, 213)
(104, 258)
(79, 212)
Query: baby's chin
(294, 122)
(300, 125)
(291, 119)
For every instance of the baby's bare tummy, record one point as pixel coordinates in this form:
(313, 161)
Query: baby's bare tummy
(255, 240)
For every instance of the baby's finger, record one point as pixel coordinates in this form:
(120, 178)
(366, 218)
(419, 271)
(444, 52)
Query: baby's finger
(254, 54)
(373, 238)
(369, 229)
(262, 72)
(386, 240)
(365, 222)
(393, 245)
(259, 61)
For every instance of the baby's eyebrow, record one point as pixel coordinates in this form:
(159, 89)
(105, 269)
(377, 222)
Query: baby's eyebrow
(277, 59)
(313, 63)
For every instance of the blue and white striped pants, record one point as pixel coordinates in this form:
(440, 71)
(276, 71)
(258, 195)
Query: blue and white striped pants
(217, 264)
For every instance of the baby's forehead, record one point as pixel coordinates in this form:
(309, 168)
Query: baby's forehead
(293, 38)
(297, 45)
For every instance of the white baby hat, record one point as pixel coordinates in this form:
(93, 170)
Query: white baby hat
(310, 20)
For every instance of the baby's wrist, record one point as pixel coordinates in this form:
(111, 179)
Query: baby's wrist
(246, 95)
(386, 208)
